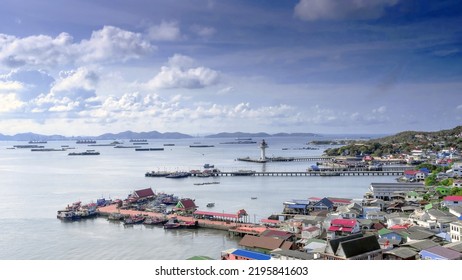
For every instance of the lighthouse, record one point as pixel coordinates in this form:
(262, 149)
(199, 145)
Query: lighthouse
(263, 146)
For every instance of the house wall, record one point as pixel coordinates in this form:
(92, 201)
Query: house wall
(455, 230)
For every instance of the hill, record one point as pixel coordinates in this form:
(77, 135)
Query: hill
(403, 142)
(258, 135)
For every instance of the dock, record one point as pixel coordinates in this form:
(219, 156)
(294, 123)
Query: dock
(312, 173)
(286, 159)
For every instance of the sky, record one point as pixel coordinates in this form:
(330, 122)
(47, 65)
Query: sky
(89, 67)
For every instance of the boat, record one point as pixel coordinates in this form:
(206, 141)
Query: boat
(149, 149)
(116, 217)
(86, 141)
(209, 165)
(157, 173)
(47, 149)
(67, 215)
(138, 140)
(134, 219)
(174, 223)
(177, 175)
(210, 204)
(126, 147)
(243, 173)
(155, 221)
(253, 197)
(86, 153)
(38, 142)
(201, 146)
(169, 144)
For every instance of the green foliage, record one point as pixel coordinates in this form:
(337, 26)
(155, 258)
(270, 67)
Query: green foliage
(431, 180)
(455, 191)
(447, 182)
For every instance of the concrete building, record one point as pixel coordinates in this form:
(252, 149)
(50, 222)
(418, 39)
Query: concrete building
(385, 191)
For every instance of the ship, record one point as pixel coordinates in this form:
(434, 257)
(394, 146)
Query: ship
(86, 153)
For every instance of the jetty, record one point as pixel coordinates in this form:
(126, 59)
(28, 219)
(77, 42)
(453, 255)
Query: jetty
(286, 159)
(309, 173)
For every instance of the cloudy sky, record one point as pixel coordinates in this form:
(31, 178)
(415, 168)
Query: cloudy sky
(87, 67)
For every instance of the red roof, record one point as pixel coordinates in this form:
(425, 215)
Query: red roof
(411, 172)
(215, 214)
(344, 229)
(269, 221)
(453, 198)
(333, 199)
(144, 193)
(343, 223)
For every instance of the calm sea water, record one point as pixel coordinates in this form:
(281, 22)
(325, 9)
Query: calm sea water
(34, 185)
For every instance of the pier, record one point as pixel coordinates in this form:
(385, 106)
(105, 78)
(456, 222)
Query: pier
(313, 173)
(283, 159)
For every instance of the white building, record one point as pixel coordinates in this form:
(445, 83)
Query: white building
(384, 191)
(456, 231)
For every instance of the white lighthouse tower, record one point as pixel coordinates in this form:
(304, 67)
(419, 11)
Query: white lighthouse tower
(263, 146)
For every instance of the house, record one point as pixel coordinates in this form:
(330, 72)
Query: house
(385, 190)
(457, 183)
(415, 175)
(456, 246)
(241, 254)
(186, 205)
(341, 227)
(452, 200)
(310, 232)
(315, 246)
(376, 215)
(264, 244)
(455, 231)
(390, 235)
(439, 253)
(296, 207)
(323, 204)
(353, 247)
(457, 169)
(279, 254)
(280, 234)
(400, 253)
(456, 210)
(143, 194)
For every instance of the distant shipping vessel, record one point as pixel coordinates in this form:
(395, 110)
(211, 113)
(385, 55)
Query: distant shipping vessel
(86, 153)
(85, 141)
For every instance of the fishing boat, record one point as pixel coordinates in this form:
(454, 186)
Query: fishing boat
(210, 204)
(86, 153)
(176, 175)
(172, 224)
(134, 219)
(155, 221)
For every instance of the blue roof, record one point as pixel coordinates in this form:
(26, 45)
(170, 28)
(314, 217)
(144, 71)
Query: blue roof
(326, 202)
(251, 254)
(296, 206)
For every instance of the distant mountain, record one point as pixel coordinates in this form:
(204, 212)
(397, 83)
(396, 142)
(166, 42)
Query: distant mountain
(108, 136)
(259, 135)
(143, 135)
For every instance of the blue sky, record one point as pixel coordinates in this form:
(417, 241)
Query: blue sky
(324, 66)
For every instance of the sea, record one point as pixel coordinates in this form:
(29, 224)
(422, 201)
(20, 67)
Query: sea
(35, 185)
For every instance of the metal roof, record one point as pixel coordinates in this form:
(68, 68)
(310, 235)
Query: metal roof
(251, 255)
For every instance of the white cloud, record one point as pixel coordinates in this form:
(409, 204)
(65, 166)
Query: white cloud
(181, 74)
(10, 103)
(165, 31)
(311, 10)
(108, 44)
(203, 31)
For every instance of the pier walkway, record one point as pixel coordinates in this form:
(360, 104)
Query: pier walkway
(313, 173)
(282, 159)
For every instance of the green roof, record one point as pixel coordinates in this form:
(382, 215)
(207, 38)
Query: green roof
(384, 231)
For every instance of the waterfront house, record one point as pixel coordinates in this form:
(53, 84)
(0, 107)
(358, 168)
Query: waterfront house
(353, 247)
(452, 200)
(296, 207)
(241, 254)
(264, 244)
(279, 234)
(456, 246)
(323, 204)
(400, 253)
(143, 194)
(185, 205)
(342, 227)
(439, 253)
(384, 191)
(456, 231)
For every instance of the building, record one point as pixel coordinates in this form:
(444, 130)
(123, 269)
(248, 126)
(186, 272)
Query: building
(385, 191)
(186, 205)
(353, 247)
(143, 194)
(457, 169)
(452, 200)
(264, 244)
(341, 227)
(240, 254)
(439, 253)
(455, 230)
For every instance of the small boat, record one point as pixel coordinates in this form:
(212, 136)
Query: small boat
(67, 215)
(172, 224)
(209, 165)
(177, 175)
(155, 221)
(210, 204)
(157, 173)
(253, 197)
(136, 219)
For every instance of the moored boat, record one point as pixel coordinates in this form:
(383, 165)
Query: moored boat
(134, 219)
